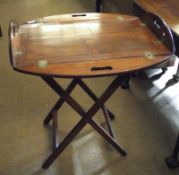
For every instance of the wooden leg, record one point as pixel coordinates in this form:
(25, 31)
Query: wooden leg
(99, 5)
(0, 32)
(93, 96)
(69, 89)
(86, 117)
(60, 102)
(176, 76)
(172, 161)
(107, 137)
(64, 144)
(125, 83)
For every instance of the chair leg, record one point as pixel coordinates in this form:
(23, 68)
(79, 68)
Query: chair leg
(99, 5)
(172, 161)
(125, 83)
(0, 32)
(176, 76)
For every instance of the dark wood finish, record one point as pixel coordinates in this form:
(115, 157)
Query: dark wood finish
(94, 97)
(70, 88)
(60, 102)
(86, 117)
(67, 46)
(108, 122)
(86, 45)
(172, 161)
(0, 32)
(167, 10)
(99, 5)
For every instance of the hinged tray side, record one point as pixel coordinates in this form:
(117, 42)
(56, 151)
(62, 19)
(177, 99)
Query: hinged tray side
(156, 24)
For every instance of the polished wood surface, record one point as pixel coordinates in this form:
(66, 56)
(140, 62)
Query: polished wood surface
(84, 45)
(167, 9)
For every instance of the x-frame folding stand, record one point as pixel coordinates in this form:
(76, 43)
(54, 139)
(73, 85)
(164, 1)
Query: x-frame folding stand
(86, 116)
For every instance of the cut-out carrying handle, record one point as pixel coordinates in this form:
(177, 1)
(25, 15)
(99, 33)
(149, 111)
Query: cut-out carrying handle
(78, 15)
(101, 68)
(156, 24)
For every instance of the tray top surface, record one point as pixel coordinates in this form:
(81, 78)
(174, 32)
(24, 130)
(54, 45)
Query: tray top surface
(85, 45)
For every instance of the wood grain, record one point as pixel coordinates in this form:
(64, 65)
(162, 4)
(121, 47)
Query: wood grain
(72, 45)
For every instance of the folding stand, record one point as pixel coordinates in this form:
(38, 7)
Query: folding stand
(86, 116)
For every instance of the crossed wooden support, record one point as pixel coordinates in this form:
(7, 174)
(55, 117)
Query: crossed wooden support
(86, 117)
(0, 32)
